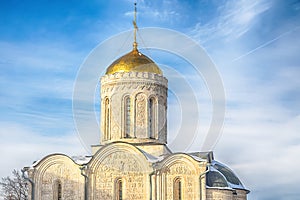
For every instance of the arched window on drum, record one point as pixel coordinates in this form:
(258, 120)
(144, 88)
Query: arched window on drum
(152, 112)
(127, 114)
(106, 119)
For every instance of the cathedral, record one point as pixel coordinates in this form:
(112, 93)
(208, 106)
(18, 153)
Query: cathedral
(132, 160)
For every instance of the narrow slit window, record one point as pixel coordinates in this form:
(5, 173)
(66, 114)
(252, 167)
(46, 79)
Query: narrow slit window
(107, 119)
(152, 119)
(119, 190)
(177, 189)
(59, 191)
(127, 117)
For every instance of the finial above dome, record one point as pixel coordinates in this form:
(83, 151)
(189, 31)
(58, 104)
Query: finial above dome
(134, 60)
(135, 29)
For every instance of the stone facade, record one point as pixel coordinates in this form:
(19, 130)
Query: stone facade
(143, 176)
(225, 194)
(132, 160)
(138, 90)
(55, 170)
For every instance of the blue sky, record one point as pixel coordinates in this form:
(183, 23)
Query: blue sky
(254, 44)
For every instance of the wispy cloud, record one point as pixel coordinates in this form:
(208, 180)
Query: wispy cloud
(36, 85)
(28, 64)
(25, 145)
(162, 11)
(268, 148)
(262, 91)
(234, 20)
(266, 43)
(260, 71)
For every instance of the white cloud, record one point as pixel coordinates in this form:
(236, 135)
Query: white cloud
(162, 11)
(266, 157)
(49, 56)
(261, 134)
(30, 72)
(27, 74)
(234, 20)
(261, 138)
(20, 146)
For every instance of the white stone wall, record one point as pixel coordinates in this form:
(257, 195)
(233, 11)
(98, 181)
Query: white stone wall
(141, 177)
(140, 87)
(225, 194)
(56, 168)
(185, 168)
(219, 194)
(240, 195)
(119, 161)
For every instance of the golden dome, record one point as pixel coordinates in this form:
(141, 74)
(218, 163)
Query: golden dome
(133, 61)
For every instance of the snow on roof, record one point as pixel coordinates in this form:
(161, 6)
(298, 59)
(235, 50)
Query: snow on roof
(81, 160)
(35, 163)
(151, 158)
(220, 188)
(197, 158)
(231, 178)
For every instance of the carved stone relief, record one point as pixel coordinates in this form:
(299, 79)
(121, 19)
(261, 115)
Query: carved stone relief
(124, 166)
(140, 116)
(70, 178)
(188, 177)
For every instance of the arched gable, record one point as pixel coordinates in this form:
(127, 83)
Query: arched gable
(132, 152)
(56, 168)
(180, 173)
(119, 161)
(180, 158)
